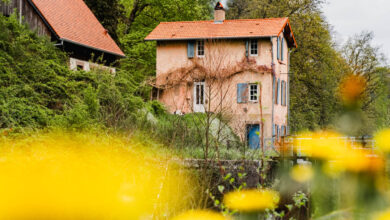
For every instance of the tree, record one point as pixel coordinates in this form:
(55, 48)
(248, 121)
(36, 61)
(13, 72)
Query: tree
(365, 60)
(108, 13)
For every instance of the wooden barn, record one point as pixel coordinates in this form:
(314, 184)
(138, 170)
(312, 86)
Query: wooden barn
(72, 26)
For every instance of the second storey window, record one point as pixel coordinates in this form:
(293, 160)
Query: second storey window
(200, 48)
(253, 93)
(253, 48)
(277, 91)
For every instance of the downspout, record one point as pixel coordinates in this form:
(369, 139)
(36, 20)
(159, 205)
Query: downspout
(273, 89)
(288, 94)
(60, 44)
(20, 11)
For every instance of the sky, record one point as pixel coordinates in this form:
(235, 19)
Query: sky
(350, 17)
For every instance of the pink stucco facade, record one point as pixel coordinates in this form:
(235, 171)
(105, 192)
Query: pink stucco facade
(222, 56)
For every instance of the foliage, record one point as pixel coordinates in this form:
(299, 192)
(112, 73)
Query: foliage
(365, 60)
(34, 82)
(108, 13)
(37, 89)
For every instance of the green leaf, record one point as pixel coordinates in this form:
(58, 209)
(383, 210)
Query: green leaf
(221, 188)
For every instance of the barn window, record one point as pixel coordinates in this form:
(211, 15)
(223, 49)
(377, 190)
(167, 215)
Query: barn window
(80, 67)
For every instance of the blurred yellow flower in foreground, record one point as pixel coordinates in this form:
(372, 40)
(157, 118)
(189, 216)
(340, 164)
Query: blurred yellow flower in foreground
(383, 216)
(339, 155)
(302, 173)
(323, 144)
(200, 215)
(352, 88)
(252, 200)
(85, 176)
(382, 140)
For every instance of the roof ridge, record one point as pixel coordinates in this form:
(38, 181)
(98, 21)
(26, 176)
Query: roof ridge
(208, 21)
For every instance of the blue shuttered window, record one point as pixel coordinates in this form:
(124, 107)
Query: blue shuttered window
(274, 89)
(273, 130)
(277, 92)
(281, 93)
(247, 48)
(285, 94)
(282, 50)
(242, 93)
(191, 49)
(277, 48)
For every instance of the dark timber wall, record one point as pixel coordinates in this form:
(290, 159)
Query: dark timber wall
(29, 15)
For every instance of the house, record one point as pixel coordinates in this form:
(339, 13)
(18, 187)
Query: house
(235, 67)
(72, 26)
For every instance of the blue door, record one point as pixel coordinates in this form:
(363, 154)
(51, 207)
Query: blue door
(253, 136)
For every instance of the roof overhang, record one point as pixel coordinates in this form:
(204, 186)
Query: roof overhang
(288, 34)
(92, 48)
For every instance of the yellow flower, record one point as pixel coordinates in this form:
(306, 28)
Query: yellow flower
(85, 176)
(358, 160)
(382, 140)
(302, 173)
(252, 200)
(383, 216)
(323, 145)
(337, 153)
(200, 215)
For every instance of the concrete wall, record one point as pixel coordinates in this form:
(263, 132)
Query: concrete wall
(219, 56)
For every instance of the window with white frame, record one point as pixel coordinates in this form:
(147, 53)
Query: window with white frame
(253, 93)
(200, 48)
(254, 48)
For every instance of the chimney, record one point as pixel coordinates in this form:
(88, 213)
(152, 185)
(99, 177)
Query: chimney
(219, 13)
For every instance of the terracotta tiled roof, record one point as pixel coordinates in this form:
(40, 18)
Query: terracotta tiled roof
(243, 28)
(73, 21)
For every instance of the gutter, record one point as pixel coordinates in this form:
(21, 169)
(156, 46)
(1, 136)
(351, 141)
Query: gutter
(59, 44)
(273, 89)
(288, 94)
(214, 38)
(20, 11)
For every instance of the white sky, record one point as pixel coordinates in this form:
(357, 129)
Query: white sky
(350, 17)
